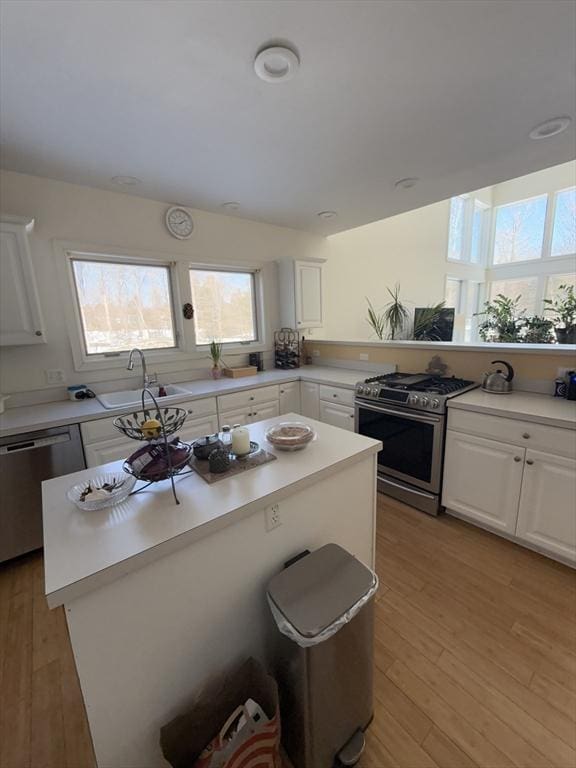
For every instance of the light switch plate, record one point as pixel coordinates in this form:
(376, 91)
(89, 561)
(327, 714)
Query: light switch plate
(54, 376)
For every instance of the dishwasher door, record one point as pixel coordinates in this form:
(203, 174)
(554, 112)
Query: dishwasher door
(25, 461)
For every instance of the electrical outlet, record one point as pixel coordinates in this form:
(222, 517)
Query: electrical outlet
(363, 356)
(54, 376)
(273, 519)
(315, 353)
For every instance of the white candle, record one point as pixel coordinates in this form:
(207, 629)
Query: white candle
(240, 441)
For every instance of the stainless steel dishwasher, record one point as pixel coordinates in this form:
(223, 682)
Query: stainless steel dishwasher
(25, 461)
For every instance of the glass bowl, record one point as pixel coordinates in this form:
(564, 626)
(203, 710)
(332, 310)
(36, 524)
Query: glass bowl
(124, 485)
(290, 435)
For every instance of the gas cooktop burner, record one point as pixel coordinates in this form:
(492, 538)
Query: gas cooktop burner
(415, 390)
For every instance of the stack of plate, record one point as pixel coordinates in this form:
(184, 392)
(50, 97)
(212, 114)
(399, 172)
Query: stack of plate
(290, 435)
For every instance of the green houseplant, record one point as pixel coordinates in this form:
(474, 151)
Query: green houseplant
(538, 330)
(563, 309)
(216, 355)
(503, 320)
(376, 320)
(394, 315)
(427, 326)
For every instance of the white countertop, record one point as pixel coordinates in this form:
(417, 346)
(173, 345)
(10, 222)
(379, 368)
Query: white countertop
(528, 406)
(85, 550)
(31, 418)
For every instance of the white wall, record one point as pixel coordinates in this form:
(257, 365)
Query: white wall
(110, 219)
(409, 249)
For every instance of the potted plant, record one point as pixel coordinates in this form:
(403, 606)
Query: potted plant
(563, 308)
(538, 330)
(503, 320)
(394, 316)
(216, 355)
(428, 323)
(376, 320)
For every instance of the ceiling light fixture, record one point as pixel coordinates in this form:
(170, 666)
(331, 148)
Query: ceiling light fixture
(406, 183)
(276, 64)
(231, 206)
(550, 128)
(327, 214)
(126, 181)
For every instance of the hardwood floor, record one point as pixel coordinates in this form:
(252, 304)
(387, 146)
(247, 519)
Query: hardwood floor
(475, 656)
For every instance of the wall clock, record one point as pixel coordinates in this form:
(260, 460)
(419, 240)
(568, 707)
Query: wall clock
(179, 222)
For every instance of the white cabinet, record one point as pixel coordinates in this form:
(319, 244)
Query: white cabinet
(310, 399)
(196, 428)
(290, 397)
(110, 450)
(547, 514)
(301, 294)
(338, 415)
(21, 319)
(265, 411)
(256, 412)
(247, 398)
(508, 487)
(483, 480)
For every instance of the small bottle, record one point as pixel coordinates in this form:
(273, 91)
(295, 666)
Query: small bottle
(226, 437)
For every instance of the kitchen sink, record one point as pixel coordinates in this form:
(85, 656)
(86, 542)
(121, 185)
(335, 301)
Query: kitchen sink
(133, 397)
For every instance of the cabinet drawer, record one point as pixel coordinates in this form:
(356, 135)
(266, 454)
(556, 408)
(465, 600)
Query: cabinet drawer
(104, 429)
(248, 397)
(527, 434)
(338, 415)
(337, 395)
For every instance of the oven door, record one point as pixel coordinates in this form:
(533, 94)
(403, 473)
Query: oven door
(412, 442)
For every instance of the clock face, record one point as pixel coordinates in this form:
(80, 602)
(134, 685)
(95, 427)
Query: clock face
(179, 222)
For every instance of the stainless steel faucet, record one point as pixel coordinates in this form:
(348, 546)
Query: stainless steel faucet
(146, 381)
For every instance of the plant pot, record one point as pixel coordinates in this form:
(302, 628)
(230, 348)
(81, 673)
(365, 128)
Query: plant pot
(566, 335)
(216, 372)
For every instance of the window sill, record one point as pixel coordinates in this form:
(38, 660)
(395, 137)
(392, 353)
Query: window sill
(455, 346)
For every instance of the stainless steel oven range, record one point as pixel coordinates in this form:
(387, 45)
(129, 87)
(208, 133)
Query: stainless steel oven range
(407, 412)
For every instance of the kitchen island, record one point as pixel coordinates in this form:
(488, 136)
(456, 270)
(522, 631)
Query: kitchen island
(160, 597)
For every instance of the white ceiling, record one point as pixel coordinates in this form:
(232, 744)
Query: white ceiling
(445, 90)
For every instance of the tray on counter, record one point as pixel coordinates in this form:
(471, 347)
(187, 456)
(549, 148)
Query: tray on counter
(238, 466)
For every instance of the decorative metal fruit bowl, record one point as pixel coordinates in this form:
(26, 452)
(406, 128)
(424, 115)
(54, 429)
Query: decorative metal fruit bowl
(101, 491)
(164, 463)
(151, 423)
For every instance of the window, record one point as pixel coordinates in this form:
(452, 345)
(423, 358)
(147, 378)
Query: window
(555, 281)
(479, 217)
(564, 227)
(525, 287)
(519, 231)
(224, 305)
(456, 229)
(123, 305)
(453, 295)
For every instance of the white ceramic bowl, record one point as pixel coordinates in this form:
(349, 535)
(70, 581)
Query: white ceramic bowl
(115, 497)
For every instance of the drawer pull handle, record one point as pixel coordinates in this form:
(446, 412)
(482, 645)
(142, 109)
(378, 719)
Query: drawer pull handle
(334, 395)
(517, 458)
(526, 435)
(251, 397)
(530, 461)
(190, 410)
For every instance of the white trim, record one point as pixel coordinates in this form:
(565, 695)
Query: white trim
(449, 346)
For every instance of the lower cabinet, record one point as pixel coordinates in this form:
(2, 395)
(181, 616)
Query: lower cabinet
(310, 399)
(290, 397)
(338, 415)
(109, 450)
(527, 494)
(250, 414)
(483, 479)
(547, 513)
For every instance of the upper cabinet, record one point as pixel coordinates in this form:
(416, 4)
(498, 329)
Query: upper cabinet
(301, 294)
(21, 319)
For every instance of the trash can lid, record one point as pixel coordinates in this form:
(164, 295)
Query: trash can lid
(317, 590)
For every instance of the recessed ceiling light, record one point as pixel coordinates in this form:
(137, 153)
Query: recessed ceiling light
(276, 64)
(406, 183)
(327, 214)
(126, 181)
(550, 128)
(231, 206)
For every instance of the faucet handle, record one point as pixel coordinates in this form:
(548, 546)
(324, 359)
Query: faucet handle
(153, 379)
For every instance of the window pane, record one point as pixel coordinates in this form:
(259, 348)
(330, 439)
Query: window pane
(555, 281)
(478, 220)
(520, 231)
(564, 233)
(524, 287)
(223, 306)
(456, 228)
(453, 293)
(124, 306)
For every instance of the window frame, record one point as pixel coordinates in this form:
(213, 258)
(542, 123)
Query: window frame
(257, 303)
(470, 205)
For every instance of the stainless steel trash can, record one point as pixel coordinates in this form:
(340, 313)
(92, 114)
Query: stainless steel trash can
(324, 609)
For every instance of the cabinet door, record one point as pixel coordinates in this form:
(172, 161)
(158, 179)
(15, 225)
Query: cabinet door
(308, 294)
(547, 515)
(20, 316)
(310, 400)
(265, 411)
(290, 397)
(198, 428)
(241, 416)
(338, 415)
(110, 450)
(482, 480)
